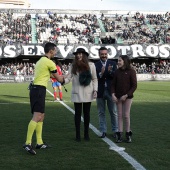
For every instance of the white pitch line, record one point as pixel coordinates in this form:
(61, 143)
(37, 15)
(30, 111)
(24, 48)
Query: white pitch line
(113, 146)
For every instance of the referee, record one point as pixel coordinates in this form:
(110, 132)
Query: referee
(44, 69)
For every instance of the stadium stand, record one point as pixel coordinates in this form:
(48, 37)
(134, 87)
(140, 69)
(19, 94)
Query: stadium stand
(70, 27)
(25, 68)
(36, 26)
(139, 28)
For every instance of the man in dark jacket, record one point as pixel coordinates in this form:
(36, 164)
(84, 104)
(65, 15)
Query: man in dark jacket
(105, 70)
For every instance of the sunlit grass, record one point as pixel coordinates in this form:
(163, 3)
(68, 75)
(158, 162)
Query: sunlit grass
(149, 122)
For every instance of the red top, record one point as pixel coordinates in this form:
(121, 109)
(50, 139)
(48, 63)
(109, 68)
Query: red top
(59, 72)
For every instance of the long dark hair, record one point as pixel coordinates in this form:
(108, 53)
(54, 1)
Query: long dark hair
(80, 66)
(127, 62)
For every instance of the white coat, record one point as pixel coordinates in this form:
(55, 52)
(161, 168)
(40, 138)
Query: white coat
(82, 94)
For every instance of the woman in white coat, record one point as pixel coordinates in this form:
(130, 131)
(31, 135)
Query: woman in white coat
(82, 73)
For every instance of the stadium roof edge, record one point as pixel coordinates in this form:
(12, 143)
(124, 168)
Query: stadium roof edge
(78, 11)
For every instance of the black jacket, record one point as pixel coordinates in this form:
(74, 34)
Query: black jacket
(107, 77)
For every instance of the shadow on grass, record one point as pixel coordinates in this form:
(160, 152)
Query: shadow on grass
(10, 96)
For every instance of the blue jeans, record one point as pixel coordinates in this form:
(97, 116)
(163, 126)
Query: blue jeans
(101, 107)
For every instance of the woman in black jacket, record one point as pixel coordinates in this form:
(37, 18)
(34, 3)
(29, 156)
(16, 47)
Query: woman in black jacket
(123, 86)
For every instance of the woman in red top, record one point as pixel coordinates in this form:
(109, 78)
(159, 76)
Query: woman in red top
(123, 86)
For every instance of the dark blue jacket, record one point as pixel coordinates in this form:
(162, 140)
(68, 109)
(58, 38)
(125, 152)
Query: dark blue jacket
(107, 77)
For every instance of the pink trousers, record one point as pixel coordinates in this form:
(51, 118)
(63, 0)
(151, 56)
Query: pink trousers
(123, 108)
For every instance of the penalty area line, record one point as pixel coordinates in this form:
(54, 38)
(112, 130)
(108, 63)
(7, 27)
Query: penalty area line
(113, 146)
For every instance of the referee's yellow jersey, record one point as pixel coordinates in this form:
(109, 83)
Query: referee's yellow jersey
(43, 70)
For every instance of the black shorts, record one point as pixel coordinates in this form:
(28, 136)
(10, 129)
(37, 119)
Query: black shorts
(37, 98)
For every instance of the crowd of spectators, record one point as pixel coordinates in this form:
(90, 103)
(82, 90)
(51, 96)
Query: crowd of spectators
(139, 28)
(15, 29)
(25, 68)
(53, 27)
(107, 40)
(70, 28)
(162, 67)
(135, 28)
